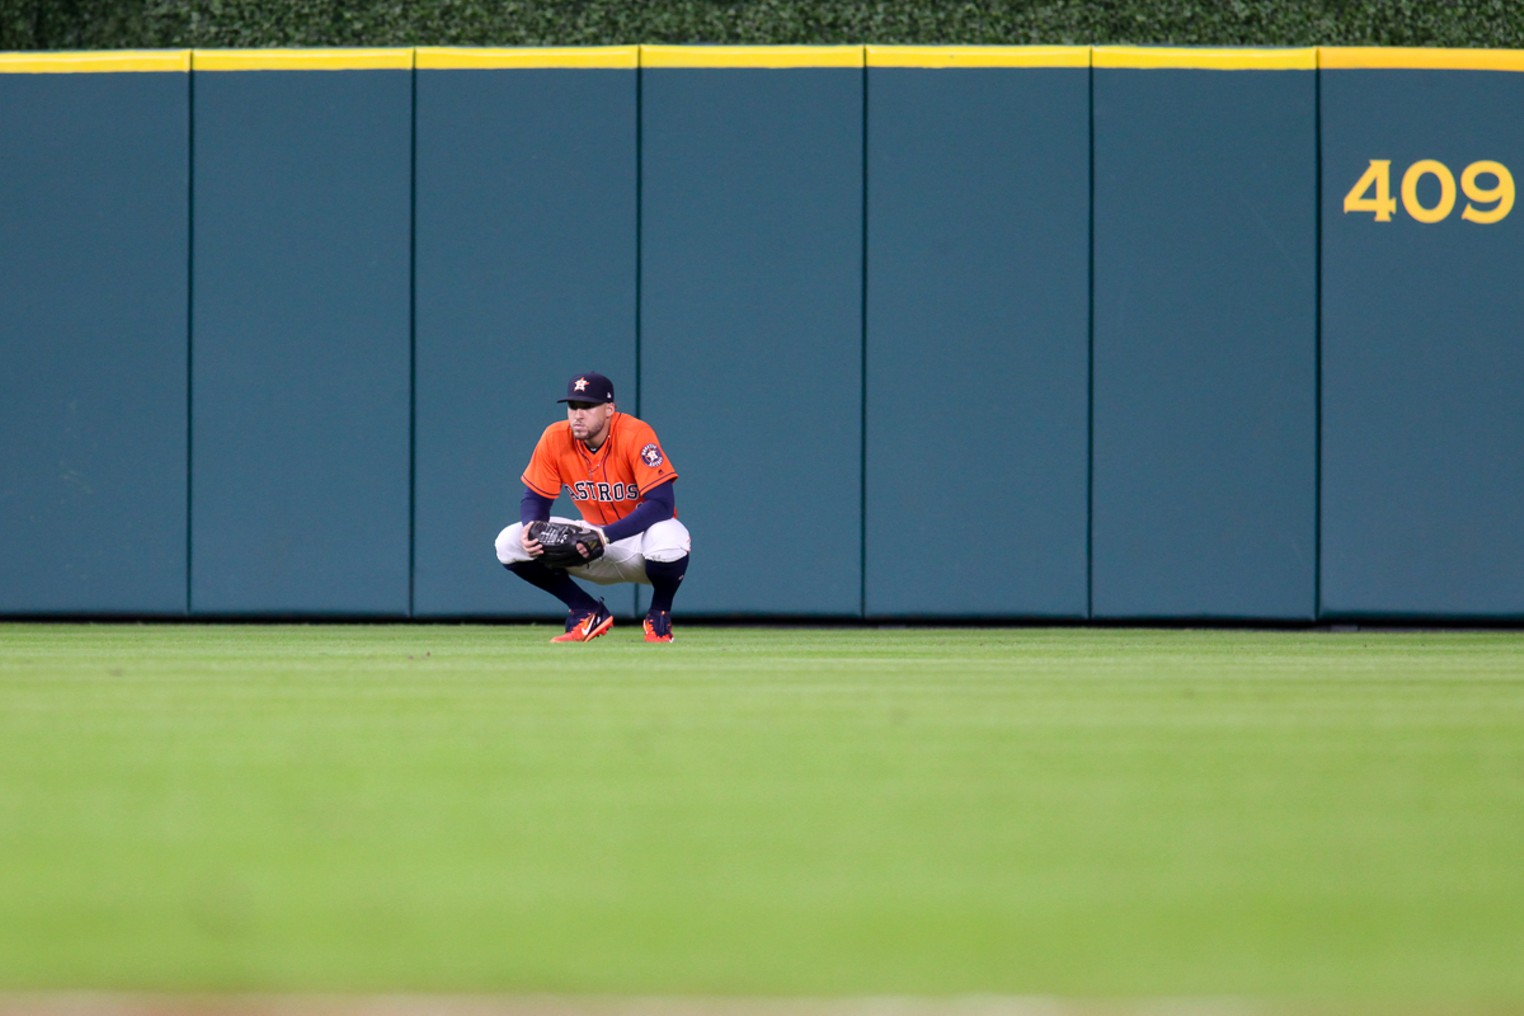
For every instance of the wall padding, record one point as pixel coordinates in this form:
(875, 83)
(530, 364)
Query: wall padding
(1205, 344)
(301, 380)
(95, 224)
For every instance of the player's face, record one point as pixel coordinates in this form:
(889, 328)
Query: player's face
(589, 420)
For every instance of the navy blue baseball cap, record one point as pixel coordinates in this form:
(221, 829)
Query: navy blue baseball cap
(589, 387)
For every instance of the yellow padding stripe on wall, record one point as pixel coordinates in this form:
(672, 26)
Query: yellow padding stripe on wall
(978, 56)
(630, 57)
(751, 56)
(1398, 58)
(1168, 57)
(301, 59)
(470, 58)
(105, 61)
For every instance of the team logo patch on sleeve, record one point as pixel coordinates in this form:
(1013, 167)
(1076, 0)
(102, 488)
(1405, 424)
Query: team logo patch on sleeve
(651, 455)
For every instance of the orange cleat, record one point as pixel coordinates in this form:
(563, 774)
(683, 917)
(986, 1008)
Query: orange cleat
(658, 626)
(589, 626)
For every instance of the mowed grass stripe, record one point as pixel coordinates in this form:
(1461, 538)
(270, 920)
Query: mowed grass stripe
(775, 812)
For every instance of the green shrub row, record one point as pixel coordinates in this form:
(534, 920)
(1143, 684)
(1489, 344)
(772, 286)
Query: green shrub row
(132, 24)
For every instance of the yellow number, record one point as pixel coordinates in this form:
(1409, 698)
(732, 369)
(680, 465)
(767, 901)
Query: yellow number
(1373, 191)
(1410, 179)
(1502, 193)
(1378, 178)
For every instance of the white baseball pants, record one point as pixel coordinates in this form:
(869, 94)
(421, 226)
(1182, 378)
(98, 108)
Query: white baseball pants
(622, 561)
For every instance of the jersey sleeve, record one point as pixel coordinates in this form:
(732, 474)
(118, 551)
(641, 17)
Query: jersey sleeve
(543, 475)
(649, 462)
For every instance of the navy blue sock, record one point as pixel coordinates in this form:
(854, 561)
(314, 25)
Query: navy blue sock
(555, 582)
(665, 576)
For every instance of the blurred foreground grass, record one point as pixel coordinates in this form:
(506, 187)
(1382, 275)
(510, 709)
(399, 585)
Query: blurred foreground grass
(766, 811)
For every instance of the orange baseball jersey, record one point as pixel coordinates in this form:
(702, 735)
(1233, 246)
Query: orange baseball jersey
(605, 485)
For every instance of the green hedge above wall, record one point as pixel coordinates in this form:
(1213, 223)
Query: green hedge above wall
(133, 24)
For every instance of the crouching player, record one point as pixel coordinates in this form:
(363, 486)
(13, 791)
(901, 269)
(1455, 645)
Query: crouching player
(622, 484)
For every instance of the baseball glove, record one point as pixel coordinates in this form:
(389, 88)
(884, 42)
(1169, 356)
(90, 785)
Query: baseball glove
(560, 540)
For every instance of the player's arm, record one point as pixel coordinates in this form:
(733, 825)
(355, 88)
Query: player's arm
(533, 507)
(542, 482)
(660, 503)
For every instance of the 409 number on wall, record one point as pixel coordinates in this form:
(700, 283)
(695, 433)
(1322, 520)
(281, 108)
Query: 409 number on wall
(1488, 187)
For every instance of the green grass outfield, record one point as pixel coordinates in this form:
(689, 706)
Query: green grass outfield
(1078, 813)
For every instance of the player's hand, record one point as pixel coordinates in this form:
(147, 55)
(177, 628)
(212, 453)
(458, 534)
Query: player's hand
(582, 549)
(530, 544)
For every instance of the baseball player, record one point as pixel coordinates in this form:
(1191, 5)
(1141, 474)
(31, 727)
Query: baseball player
(622, 483)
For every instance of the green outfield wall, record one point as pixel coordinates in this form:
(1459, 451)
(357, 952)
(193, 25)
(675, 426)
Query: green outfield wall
(524, 271)
(1423, 341)
(94, 339)
(1181, 333)
(1204, 380)
(751, 325)
(301, 378)
(977, 359)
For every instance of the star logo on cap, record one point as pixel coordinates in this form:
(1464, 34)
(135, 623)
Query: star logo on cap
(581, 385)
